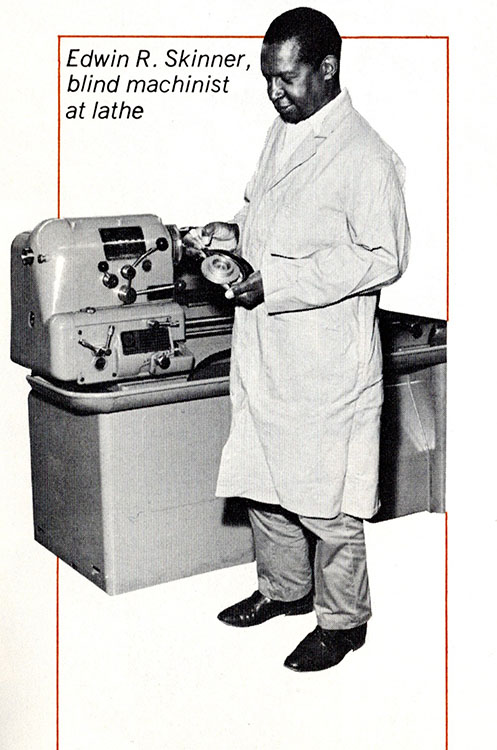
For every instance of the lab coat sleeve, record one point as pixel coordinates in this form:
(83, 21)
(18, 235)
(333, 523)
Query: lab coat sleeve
(372, 254)
(241, 216)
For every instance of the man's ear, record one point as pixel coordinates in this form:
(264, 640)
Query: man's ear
(329, 67)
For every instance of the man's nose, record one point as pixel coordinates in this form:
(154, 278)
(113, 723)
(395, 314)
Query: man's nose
(275, 90)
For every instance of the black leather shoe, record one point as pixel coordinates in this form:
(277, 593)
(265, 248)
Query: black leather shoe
(323, 649)
(258, 608)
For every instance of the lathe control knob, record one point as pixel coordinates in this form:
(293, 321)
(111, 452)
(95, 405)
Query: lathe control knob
(110, 280)
(127, 294)
(128, 272)
(161, 243)
(163, 361)
(100, 363)
(27, 257)
(179, 286)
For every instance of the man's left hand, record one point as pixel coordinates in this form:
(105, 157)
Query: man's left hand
(248, 293)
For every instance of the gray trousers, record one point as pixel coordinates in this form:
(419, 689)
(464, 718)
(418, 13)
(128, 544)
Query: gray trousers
(284, 550)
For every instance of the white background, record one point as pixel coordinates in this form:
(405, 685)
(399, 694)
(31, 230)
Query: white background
(154, 669)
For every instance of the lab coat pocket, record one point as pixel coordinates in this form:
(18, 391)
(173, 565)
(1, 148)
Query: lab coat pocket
(301, 229)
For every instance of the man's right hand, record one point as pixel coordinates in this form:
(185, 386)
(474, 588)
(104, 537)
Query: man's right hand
(220, 233)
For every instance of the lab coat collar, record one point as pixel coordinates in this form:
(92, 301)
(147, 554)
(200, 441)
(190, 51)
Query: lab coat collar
(331, 115)
(336, 111)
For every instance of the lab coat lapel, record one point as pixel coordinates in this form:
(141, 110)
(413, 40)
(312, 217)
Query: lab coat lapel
(302, 153)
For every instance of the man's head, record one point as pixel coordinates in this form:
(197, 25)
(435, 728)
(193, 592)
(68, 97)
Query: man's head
(300, 61)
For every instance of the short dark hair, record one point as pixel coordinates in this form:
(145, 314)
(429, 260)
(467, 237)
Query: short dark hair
(316, 34)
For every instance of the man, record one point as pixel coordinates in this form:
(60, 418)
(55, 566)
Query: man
(324, 225)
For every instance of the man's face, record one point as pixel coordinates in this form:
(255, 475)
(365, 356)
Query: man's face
(294, 87)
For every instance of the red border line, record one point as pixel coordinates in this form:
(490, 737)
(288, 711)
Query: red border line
(57, 655)
(446, 631)
(159, 36)
(424, 36)
(446, 514)
(58, 128)
(220, 36)
(224, 36)
(447, 160)
(57, 589)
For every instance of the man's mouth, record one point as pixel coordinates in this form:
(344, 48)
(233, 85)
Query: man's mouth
(283, 107)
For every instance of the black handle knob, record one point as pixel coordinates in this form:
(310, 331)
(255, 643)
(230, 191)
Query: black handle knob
(179, 286)
(161, 243)
(128, 272)
(103, 266)
(100, 363)
(127, 295)
(163, 361)
(110, 280)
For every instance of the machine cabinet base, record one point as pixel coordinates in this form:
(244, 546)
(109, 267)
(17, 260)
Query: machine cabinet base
(412, 446)
(127, 498)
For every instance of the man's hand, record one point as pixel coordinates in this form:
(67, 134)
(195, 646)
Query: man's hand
(248, 293)
(219, 232)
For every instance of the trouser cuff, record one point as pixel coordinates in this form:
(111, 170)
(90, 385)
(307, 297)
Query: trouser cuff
(339, 622)
(281, 594)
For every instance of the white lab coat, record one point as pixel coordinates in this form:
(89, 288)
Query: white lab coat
(327, 230)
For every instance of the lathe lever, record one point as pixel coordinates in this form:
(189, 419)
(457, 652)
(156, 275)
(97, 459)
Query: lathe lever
(109, 280)
(127, 293)
(89, 346)
(99, 351)
(161, 244)
(110, 333)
